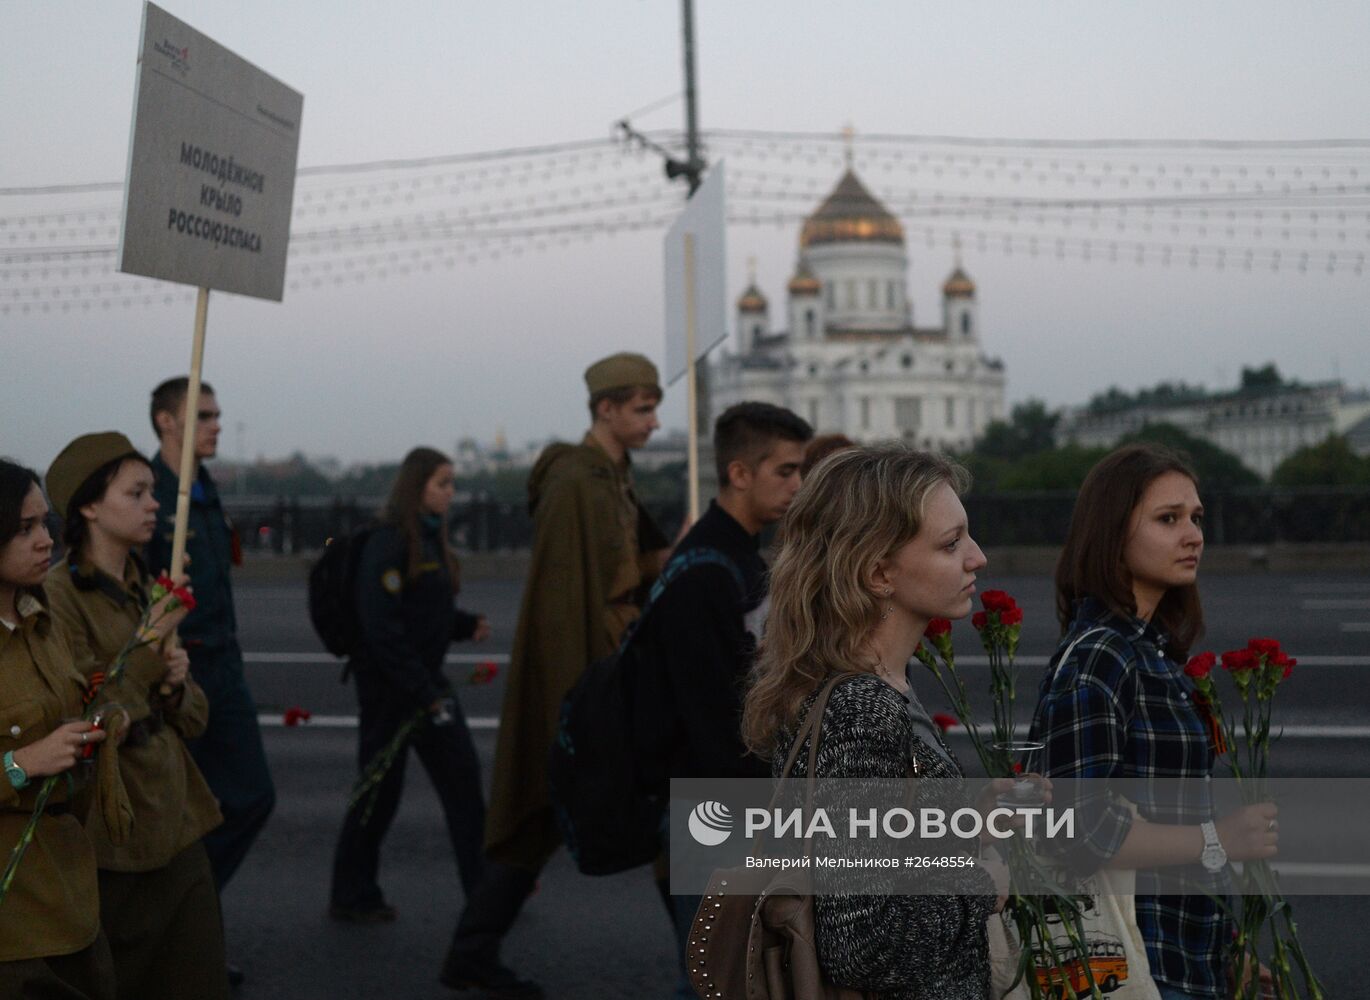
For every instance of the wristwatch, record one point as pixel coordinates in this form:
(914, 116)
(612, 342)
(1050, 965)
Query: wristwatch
(1213, 858)
(18, 777)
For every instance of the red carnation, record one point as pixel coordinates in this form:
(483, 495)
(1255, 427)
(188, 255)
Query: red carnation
(1017, 767)
(945, 721)
(1264, 647)
(998, 600)
(185, 597)
(484, 672)
(937, 627)
(1013, 616)
(1200, 665)
(294, 715)
(166, 583)
(1287, 662)
(1237, 660)
(979, 620)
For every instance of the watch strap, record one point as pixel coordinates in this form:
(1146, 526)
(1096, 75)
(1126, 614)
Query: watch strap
(18, 778)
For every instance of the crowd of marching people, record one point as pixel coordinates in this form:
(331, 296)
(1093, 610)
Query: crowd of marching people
(136, 780)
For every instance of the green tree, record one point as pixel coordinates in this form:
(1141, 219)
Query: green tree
(1331, 463)
(1265, 377)
(1031, 428)
(293, 477)
(1217, 469)
(1061, 468)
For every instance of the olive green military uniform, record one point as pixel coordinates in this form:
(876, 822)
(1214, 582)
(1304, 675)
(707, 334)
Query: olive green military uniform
(158, 902)
(50, 940)
(593, 548)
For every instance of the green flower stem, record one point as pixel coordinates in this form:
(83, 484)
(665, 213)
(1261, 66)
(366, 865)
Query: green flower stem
(367, 789)
(114, 676)
(26, 838)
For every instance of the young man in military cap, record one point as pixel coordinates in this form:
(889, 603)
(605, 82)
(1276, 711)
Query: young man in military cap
(594, 551)
(230, 752)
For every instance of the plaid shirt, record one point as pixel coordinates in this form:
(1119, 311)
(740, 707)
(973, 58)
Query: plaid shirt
(1119, 708)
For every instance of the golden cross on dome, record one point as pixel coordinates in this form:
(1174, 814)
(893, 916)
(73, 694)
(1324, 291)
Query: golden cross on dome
(848, 136)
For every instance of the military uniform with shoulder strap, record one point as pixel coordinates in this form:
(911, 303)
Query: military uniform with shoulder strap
(158, 902)
(50, 939)
(594, 549)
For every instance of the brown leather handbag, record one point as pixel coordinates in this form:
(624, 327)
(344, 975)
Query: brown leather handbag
(745, 946)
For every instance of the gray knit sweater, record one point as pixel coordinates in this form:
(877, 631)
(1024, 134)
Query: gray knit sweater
(905, 947)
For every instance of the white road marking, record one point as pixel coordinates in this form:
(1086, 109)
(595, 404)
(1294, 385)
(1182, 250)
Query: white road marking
(965, 661)
(1313, 869)
(276, 720)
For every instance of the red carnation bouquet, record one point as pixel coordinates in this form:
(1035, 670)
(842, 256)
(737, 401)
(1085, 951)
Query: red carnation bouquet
(1039, 920)
(1257, 672)
(154, 611)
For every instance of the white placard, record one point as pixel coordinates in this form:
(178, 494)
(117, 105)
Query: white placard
(705, 220)
(211, 165)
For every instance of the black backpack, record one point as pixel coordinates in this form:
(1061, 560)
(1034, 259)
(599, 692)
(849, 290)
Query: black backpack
(609, 823)
(332, 590)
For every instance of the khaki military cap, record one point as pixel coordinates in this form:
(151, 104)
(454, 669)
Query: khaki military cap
(621, 371)
(79, 460)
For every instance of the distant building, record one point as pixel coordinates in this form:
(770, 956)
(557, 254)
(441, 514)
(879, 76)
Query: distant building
(850, 358)
(1262, 427)
(665, 448)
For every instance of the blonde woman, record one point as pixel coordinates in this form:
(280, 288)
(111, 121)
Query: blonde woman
(875, 545)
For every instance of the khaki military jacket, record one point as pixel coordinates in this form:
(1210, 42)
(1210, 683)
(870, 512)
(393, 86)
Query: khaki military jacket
(594, 546)
(172, 805)
(53, 905)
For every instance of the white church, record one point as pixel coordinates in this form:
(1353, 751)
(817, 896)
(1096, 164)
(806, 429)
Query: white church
(851, 359)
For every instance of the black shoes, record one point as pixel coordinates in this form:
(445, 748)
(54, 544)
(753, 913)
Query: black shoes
(381, 913)
(235, 976)
(494, 980)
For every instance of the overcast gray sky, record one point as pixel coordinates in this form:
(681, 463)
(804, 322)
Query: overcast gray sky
(364, 370)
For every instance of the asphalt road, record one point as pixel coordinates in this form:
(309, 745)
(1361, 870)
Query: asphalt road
(609, 937)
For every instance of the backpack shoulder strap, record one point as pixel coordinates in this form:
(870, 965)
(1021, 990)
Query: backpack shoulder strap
(1071, 648)
(688, 559)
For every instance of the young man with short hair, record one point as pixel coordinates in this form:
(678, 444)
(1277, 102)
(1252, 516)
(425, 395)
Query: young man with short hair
(695, 647)
(702, 632)
(594, 551)
(229, 754)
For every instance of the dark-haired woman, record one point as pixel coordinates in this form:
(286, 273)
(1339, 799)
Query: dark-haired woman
(1115, 703)
(158, 903)
(407, 584)
(50, 939)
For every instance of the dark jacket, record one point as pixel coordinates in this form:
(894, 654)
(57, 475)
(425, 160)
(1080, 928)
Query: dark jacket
(407, 618)
(907, 947)
(694, 651)
(210, 545)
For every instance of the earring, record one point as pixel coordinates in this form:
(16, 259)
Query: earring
(887, 612)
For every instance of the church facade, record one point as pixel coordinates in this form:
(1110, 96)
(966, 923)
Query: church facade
(848, 357)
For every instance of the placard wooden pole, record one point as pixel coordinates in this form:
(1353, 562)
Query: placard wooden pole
(691, 386)
(189, 427)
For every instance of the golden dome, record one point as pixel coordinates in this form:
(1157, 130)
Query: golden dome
(851, 215)
(958, 285)
(803, 282)
(752, 300)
